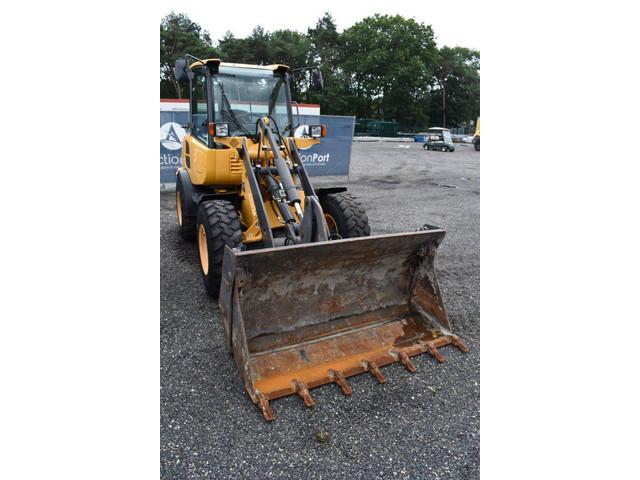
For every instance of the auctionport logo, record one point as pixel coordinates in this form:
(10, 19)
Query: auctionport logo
(315, 158)
(171, 135)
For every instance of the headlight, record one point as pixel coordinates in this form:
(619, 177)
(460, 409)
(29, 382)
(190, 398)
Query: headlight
(317, 131)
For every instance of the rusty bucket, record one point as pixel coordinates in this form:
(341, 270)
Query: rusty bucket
(301, 316)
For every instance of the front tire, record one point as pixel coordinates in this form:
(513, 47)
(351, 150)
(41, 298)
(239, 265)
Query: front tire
(218, 225)
(346, 214)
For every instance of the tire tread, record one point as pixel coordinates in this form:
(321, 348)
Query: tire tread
(352, 220)
(222, 225)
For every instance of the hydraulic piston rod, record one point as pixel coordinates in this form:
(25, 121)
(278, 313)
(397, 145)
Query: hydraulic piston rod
(281, 165)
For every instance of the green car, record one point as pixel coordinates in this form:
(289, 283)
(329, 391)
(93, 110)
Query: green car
(438, 138)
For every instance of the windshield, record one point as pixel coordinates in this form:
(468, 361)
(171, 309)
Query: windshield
(242, 96)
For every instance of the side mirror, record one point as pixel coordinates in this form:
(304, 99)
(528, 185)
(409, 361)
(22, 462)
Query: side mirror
(317, 80)
(181, 70)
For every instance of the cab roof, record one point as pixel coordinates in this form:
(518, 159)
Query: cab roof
(215, 62)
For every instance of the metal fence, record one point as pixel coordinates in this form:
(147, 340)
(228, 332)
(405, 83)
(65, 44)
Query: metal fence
(467, 130)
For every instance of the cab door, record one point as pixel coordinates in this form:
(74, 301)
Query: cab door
(198, 141)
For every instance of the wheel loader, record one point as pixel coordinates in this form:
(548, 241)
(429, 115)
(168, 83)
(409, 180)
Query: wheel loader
(476, 136)
(307, 297)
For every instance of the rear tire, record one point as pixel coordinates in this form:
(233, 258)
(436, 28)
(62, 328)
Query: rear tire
(186, 223)
(218, 225)
(445, 149)
(347, 214)
(476, 145)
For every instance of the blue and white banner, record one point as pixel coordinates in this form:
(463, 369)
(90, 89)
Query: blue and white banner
(331, 157)
(171, 135)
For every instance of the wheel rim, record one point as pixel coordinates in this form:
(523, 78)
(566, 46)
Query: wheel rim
(179, 208)
(202, 248)
(331, 223)
(444, 149)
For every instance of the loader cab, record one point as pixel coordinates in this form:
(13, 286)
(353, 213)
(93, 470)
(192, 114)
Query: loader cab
(227, 100)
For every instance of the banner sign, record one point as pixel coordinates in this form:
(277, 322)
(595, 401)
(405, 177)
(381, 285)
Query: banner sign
(171, 135)
(331, 157)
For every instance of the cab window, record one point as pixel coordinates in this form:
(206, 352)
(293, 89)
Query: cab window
(199, 106)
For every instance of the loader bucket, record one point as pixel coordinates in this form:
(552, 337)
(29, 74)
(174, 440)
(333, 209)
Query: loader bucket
(301, 316)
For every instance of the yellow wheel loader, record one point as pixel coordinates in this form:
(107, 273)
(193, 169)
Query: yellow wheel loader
(476, 136)
(307, 296)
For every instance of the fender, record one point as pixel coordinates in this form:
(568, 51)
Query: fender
(324, 190)
(191, 207)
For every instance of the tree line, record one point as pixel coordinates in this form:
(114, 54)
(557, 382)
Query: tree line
(383, 67)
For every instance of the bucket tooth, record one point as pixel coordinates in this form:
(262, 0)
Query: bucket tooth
(372, 367)
(455, 340)
(434, 351)
(263, 403)
(406, 361)
(339, 378)
(303, 391)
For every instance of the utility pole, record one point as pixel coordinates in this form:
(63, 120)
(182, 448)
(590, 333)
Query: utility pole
(444, 111)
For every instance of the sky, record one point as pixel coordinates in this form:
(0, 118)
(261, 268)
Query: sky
(454, 23)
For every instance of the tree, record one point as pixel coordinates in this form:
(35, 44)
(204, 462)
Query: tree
(234, 50)
(383, 67)
(389, 61)
(290, 48)
(179, 35)
(324, 51)
(456, 82)
(258, 45)
(324, 39)
(253, 50)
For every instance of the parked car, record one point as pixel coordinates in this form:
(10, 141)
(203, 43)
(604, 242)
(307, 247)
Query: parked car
(439, 138)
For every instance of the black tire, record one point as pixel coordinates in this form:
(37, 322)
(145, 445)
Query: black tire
(347, 213)
(444, 149)
(425, 146)
(476, 145)
(186, 223)
(218, 221)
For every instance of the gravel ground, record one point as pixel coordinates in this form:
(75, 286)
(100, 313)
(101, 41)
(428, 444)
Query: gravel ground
(421, 425)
